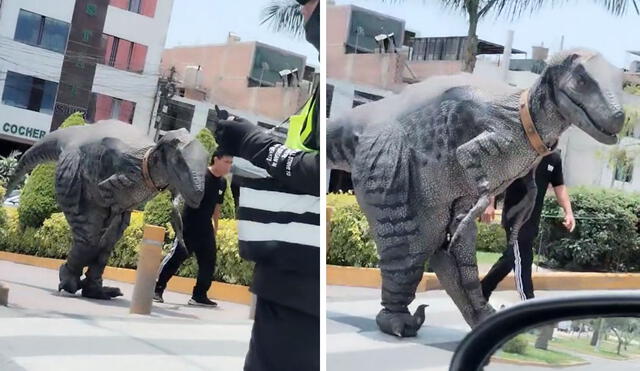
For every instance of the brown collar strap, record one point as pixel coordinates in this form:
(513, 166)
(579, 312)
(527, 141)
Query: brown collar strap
(529, 127)
(145, 171)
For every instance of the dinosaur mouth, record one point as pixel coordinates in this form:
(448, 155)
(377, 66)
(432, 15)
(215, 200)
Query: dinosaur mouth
(601, 134)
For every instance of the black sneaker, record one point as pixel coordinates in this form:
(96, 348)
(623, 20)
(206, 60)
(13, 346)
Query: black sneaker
(202, 302)
(157, 297)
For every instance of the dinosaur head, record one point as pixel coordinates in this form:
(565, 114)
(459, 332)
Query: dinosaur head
(587, 91)
(185, 161)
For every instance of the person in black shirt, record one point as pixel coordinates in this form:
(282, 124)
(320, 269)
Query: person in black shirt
(520, 258)
(199, 234)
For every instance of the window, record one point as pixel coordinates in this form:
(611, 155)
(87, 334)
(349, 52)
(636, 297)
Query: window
(437, 48)
(365, 26)
(360, 97)
(123, 54)
(37, 30)
(144, 7)
(269, 62)
(624, 170)
(104, 107)
(29, 92)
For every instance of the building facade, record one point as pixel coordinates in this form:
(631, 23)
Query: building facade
(253, 80)
(99, 57)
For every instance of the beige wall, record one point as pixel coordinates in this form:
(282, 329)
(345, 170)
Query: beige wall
(224, 76)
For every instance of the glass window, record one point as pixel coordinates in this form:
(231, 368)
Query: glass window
(29, 92)
(134, 6)
(123, 54)
(17, 89)
(28, 27)
(37, 30)
(49, 97)
(104, 107)
(55, 35)
(178, 115)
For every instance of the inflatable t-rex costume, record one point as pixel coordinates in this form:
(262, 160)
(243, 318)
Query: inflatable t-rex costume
(103, 171)
(425, 162)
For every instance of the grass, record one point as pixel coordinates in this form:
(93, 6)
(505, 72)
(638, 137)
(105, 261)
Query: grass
(548, 357)
(485, 257)
(608, 349)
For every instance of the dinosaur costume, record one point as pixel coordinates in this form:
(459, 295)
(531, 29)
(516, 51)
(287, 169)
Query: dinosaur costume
(103, 171)
(425, 162)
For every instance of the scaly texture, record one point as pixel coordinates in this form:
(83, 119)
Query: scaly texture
(425, 162)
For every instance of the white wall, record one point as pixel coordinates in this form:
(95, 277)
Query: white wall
(28, 60)
(135, 87)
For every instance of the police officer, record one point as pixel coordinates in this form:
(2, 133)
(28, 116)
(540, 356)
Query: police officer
(279, 229)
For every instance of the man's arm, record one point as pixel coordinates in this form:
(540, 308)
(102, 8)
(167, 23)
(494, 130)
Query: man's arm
(563, 200)
(296, 169)
(490, 212)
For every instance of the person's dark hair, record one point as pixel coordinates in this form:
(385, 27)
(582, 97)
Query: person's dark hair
(219, 153)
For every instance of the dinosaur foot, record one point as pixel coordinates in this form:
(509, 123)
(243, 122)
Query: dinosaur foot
(69, 282)
(401, 324)
(94, 291)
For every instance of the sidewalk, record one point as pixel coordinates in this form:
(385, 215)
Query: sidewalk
(46, 330)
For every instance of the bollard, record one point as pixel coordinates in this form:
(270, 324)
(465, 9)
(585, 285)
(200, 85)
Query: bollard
(4, 294)
(149, 259)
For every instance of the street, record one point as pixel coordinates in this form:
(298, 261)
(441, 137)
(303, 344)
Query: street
(44, 330)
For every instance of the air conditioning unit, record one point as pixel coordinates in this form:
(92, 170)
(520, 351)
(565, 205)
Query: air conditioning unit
(192, 77)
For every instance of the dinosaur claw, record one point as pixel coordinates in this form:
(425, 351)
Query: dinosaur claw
(401, 324)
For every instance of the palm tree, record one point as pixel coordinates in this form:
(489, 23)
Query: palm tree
(475, 10)
(284, 16)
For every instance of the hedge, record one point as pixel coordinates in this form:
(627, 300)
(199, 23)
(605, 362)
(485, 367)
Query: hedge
(605, 239)
(53, 240)
(606, 236)
(351, 243)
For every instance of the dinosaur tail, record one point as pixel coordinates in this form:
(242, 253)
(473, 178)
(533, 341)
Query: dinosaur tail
(47, 149)
(340, 144)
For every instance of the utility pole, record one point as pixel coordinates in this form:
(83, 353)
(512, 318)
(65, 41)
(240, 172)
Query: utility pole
(166, 89)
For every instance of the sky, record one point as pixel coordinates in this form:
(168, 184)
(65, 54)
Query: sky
(201, 22)
(582, 23)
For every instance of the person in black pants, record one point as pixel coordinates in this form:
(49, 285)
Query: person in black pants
(199, 234)
(520, 257)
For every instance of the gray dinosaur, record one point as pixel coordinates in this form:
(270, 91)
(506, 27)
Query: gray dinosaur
(103, 171)
(425, 162)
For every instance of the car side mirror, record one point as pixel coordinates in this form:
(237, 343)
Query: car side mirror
(554, 332)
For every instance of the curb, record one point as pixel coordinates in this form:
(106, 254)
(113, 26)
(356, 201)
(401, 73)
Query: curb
(219, 290)
(370, 277)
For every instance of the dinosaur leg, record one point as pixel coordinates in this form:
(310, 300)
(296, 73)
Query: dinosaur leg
(85, 231)
(398, 235)
(92, 284)
(457, 270)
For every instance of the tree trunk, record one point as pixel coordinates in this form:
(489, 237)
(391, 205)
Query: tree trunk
(471, 45)
(546, 334)
(596, 333)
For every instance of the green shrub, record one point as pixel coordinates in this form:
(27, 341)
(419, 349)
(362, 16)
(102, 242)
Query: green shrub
(351, 242)
(125, 253)
(54, 237)
(3, 214)
(207, 139)
(491, 238)
(606, 234)
(38, 199)
(8, 165)
(228, 206)
(53, 240)
(516, 345)
(158, 210)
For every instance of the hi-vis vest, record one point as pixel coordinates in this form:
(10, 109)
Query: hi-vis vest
(301, 126)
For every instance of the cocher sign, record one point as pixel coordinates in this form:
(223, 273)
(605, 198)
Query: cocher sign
(22, 131)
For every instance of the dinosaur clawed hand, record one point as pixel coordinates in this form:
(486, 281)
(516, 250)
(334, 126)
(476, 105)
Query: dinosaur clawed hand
(401, 324)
